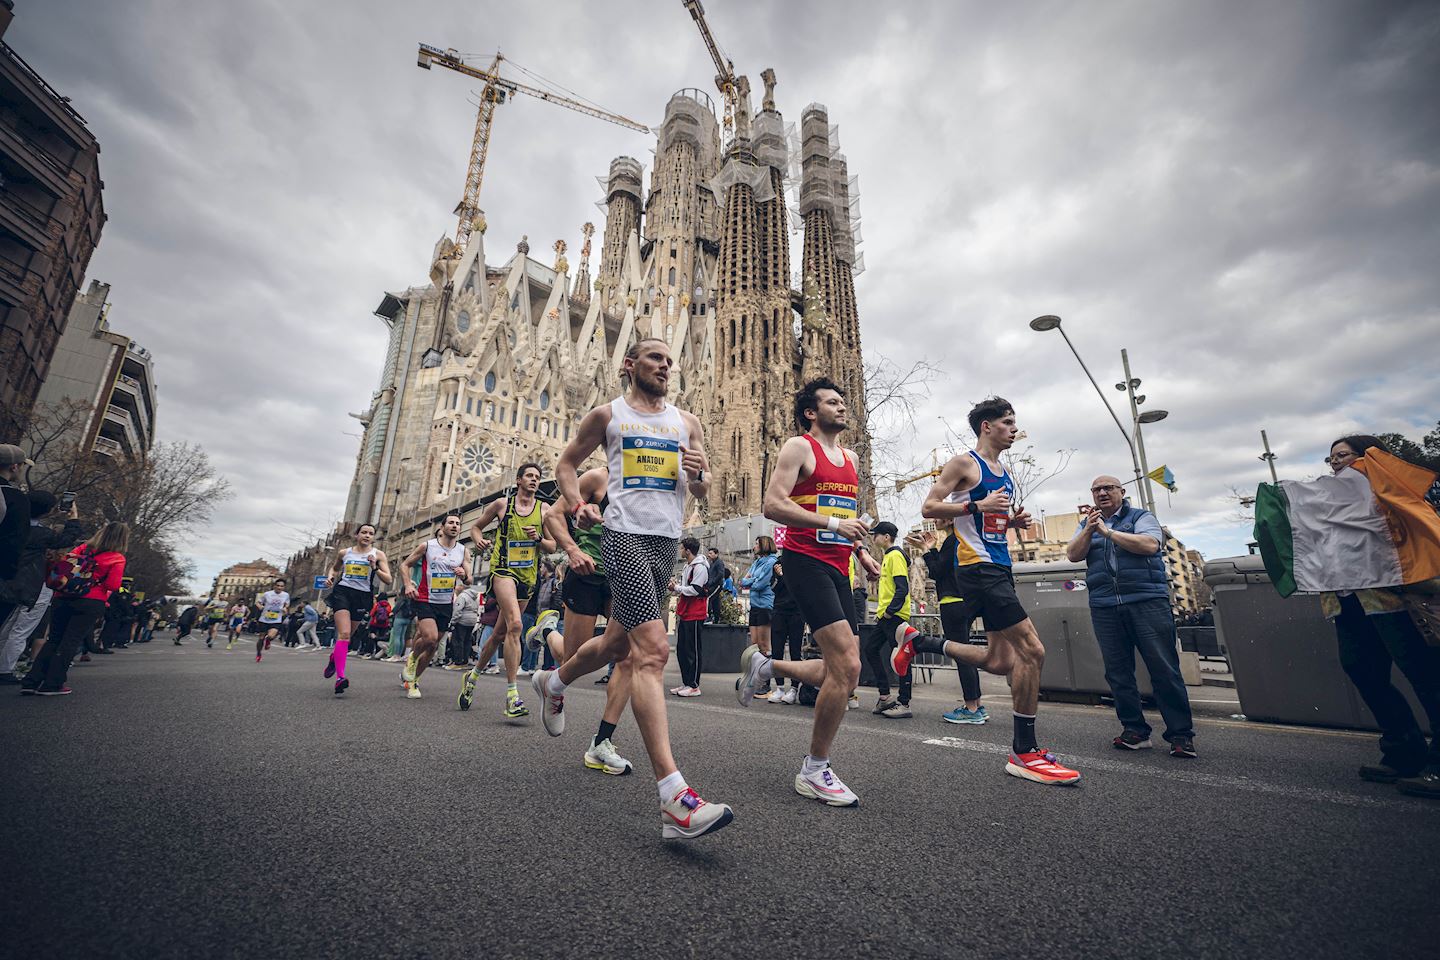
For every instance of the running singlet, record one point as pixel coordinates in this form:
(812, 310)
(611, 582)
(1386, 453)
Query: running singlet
(514, 550)
(356, 569)
(830, 491)
(437, 573)
(217, 611)
(647, 485)
(980, 537)
(272, 606)
(589, 540)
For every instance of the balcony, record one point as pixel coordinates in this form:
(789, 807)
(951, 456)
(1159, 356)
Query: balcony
(24, 220)
(107, 447)
(119, 420)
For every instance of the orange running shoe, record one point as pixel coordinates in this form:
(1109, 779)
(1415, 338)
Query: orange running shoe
(1040, 766)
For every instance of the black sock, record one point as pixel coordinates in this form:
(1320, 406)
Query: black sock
(927, 644)
(1024, 734)
(607, 730)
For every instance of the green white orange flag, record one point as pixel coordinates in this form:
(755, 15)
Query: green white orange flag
(1367, 526)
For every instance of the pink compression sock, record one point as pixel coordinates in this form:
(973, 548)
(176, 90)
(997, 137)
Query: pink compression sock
(342, 647)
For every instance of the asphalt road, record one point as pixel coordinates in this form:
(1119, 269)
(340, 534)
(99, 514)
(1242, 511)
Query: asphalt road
(193, 803)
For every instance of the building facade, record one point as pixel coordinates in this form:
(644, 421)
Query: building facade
(244, 581)
(51, 216)
(109, 374)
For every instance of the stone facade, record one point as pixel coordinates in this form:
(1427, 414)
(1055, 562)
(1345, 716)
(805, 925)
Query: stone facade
(244, 581)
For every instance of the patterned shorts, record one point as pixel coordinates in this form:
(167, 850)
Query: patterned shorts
(639, 567)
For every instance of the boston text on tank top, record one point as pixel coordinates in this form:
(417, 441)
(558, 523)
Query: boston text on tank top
(356, 569)
(981, 537)
(514, 549)
(646, 487)
(830, 491)
(437, 573)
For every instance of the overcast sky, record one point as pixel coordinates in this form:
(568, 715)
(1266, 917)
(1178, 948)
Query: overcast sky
(1246, 196)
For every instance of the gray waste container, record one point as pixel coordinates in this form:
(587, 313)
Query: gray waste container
(1283, 653)
(1054, 595)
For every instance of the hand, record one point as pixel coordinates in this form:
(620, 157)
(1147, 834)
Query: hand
(463, 574)
(481, 544)
(410, 590)
(587, 516)
(1021, 520)
(1095, 523)
(580, 561)
(330, 581)
(532, 532)
(997, 502)
(74, 510)
(693, 461)
(674, 585)
(853, 529)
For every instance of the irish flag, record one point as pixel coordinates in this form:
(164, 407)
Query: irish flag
(1367, 526)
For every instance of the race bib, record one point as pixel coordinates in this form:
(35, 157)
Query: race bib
(830, 505)
(520, 555)
(270, 616)
(650, 463)
(993, 527)
(358, 571)
(442, 585)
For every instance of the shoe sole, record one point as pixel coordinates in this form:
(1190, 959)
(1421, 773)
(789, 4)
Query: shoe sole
(467, 693)
(880, 711)
(343, 685)
(537, 680)
(52, 693)
(329, 669)
(1146, 745)
(672, 832)
(904, 715)
(973, 721)
(606, 768)
(745, 686)
(894, 656)
(1379, 778)
(808, 792)
(1015, 770)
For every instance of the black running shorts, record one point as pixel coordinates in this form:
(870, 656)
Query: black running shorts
(587, 594)
(267, 627)
(439, 612)
(954, 622)
(522, 589)
(760, 616)
(639, 566)
(357, 603)
(989, 592)
(820, 591)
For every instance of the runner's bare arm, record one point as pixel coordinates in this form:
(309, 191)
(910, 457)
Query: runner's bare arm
(547, 543)
(590, 435)
(693, 458)
(407, 568)
(795, 458)
(463, 570)
(959, 473)
(382, 568)
(487, 516)
(868, 563)
(336, 565)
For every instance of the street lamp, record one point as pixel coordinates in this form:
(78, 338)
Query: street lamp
(1147, 492)
(1050, 322)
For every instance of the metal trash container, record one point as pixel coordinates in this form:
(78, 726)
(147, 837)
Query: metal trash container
(1283, 653)
(1054, 595)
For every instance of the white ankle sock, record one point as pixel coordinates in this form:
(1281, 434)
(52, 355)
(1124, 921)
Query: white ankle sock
(670, 786)
(815, 765)
(554, 685)
(767, 669)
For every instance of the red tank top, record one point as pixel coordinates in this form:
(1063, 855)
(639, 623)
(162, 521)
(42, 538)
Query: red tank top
(830, 491)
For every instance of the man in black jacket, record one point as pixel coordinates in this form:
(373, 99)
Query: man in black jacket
(14, 516)
(715, 584)
(27, 588)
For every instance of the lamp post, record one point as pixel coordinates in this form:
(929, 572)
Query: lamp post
(1049, 322)
(1147, 498)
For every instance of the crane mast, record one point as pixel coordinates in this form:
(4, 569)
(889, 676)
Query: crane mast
(724, 68)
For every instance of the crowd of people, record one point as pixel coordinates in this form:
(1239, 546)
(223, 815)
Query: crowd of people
(618, 528)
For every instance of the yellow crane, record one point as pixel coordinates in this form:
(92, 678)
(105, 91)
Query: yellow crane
(724, 66)
(496, 90)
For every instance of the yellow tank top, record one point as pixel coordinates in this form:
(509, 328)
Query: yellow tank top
(514, 552)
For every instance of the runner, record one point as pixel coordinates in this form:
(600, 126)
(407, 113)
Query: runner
(940, 564)
(238, 612)
(215, 615)
(433, 599)
(352, 575)
(513, 559)
(272, 615)
(974, 492)
(648, 444)
(815, 493)
(586, 595)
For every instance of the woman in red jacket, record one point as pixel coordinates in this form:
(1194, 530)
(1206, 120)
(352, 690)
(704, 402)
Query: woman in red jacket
(73, 618)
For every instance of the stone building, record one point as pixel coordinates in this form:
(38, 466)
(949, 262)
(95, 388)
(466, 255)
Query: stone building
(244, 581)
(50, 221)
(490, 367)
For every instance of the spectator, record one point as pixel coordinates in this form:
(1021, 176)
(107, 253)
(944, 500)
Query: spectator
(892, 610)
(186, 623)
(400, 630)
(119, 617)
(462, 627)
(718, 574)
(691, 614)
(14, 518)
(27, 589)
(787, 628)
(489, 616)
(377, 625)
(97, 568)
(1129, 597)
(954, 625)
(309, 622)
(760, 581)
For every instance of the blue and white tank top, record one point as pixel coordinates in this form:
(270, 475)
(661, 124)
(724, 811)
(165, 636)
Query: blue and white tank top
(647, 484)
(356, 569)
(981, 537)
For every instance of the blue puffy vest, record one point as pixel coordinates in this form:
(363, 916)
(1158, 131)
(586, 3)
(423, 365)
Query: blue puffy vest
(1114, 576)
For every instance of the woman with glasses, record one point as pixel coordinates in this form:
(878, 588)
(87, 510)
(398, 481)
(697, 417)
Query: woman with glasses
(1374, 632)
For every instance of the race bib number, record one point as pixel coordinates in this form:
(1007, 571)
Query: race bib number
(993, 527)
(520, 555)
(270, 616)
(830, 505)
(358, 571)
(442, 585)
(650, 463)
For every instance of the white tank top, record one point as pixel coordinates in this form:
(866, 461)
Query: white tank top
(437, 575)
(356, 569)
(647, 483)
(272, 606)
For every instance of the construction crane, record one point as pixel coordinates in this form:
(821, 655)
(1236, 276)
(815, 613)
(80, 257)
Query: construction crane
(724, 66)
(496, 90)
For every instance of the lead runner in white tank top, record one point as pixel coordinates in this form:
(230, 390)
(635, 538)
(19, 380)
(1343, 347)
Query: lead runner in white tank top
(647, 483)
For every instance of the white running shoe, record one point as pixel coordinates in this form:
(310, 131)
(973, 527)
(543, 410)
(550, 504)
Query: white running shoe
(414, 692)
(535, 636)
(687, 816)
(752, 663)
(790, 695)
(688, 692)
(552, 708)
(604, 756)
(824, 786)
(854, 702)
(776, 696)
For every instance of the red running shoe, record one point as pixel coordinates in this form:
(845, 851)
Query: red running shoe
(257, 658)
(904, 652)
(267, 643)
(1040, 766)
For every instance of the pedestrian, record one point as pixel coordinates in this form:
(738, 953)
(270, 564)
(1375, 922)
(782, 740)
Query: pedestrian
(309, 623)
(83, 583)
(719, 573)
(14, 518)
(759, 580)
(377, 625)
(954, 625)
(185, 623)
(892, 610)
(462, 627)
(489, 617)
(690, 614)
(787, 630)
(1126, 583)
(400, 629)
(27, 589)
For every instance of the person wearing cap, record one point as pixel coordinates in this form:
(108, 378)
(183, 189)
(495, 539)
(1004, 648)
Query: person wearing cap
(14, 517)
(891, 610)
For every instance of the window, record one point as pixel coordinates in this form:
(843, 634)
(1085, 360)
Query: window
(490, 382)
(544, 399)
(462, 321)
(702, 309)
(469, 404)
(527, 421)
(514, 415)
(672, 276)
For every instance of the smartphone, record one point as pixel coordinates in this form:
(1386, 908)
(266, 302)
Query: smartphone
(67, 499)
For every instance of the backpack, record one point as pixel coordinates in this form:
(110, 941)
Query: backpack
(72, 575)
(380, 616)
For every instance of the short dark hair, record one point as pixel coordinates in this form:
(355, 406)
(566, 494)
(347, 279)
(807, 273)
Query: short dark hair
(885, 529)
(992, 408)
(712, 549)
(362, 526)
(279, 580)
(807, 399)
(41, 503)
(1360, 442)
(520, 470)
(691, 544)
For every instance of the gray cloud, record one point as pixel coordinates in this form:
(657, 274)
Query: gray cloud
(1245, 196)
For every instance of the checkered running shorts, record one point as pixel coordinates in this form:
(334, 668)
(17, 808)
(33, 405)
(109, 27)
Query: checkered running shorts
(639, 567)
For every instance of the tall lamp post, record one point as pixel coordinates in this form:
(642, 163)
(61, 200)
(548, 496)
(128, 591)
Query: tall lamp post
(1049, 322)
(1137, 418)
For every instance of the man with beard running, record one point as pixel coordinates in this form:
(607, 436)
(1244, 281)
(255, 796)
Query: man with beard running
(655, 453)
(974, 493)
(443, 560)
(815, 494)
(273, 604)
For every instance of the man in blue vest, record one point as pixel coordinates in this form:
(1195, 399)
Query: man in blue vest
(1130, 609)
